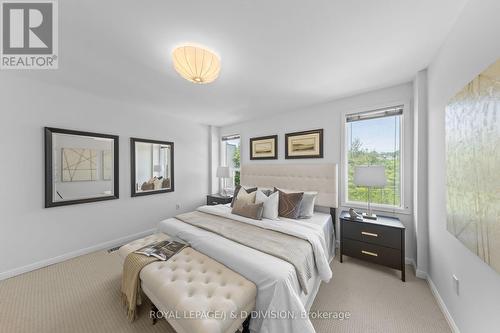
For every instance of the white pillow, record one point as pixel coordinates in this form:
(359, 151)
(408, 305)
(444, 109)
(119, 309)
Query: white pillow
(307, 205)
(271, 204)
(157, 184)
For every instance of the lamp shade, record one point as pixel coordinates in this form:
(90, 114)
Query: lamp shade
(196, 64)
(223, 172)
(370, 176)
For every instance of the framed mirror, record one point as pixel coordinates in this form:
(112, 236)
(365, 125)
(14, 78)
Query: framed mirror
(152, 166)
(80, 167)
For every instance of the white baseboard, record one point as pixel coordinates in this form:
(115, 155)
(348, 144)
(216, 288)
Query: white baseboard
(421, 274)
(442, 306)
(418, 272)
(77, 253)
(411, 261)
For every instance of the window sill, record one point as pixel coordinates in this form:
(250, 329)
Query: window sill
(377, 208)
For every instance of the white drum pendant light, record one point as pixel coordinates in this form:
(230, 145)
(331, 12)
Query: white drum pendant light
(196, 64)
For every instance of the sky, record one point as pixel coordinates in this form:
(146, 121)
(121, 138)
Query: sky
(377, 134)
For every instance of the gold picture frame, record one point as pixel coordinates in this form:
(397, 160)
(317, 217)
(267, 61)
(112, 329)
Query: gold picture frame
(264, 148)
(305, 144)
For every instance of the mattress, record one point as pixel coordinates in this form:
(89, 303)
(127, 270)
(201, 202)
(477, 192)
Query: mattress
(276, 280)
(324, 221)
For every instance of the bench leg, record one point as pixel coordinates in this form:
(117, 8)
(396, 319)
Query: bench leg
(246, 325)
(154, 311)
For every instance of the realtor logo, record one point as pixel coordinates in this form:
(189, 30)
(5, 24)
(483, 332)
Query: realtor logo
(29, 35)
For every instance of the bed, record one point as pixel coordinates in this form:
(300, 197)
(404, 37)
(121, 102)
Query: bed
(280, 302)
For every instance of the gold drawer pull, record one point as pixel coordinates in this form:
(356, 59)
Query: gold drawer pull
(369, 234)
(369, 253)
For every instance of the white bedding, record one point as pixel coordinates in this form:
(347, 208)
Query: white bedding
(278, 289)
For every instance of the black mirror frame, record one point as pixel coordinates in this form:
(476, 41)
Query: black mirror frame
(133, 191)
(49, 202)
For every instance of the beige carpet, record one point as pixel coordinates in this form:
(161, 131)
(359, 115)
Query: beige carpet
(82, 295)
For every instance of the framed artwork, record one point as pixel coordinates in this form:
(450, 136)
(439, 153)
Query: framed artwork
(80, 167)
(306, 144)
(472, 125)
(152, 166)
(264, 148)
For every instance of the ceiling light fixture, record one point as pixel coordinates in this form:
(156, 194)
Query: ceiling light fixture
(196, 63)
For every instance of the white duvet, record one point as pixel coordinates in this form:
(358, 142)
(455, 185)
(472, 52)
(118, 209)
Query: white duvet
(279, 301)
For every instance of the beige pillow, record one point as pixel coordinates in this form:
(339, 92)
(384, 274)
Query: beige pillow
(245, 198)
(237, 190)
(253, 211)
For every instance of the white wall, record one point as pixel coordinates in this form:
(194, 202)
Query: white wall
(214, 152)
(329, 117)
(420, 216)
(472, 45)
(38, 234)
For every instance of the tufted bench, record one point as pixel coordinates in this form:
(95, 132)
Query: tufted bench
(195, 292)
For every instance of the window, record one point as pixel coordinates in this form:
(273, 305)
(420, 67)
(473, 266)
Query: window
(231, 158)
(375, 138)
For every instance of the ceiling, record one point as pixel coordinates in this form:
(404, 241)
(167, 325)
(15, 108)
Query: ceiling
(275, 55)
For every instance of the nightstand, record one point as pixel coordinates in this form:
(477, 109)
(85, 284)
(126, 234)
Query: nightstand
(381, 241)
(217, 199)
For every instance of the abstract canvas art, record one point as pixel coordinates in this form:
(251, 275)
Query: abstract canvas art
(473, 165)
(78, 165)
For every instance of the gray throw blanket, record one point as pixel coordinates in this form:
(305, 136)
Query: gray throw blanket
(296, 251)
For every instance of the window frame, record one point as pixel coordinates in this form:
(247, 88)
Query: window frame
(405, 157)
(224, 161)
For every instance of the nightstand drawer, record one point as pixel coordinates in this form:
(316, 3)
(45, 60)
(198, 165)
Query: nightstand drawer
(373, 253)
(372, 233)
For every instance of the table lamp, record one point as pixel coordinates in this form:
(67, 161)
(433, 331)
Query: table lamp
(372, 176)
(223, 173)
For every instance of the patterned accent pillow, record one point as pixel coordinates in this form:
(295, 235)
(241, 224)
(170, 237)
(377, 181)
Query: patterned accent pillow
(166, 183)
(289, 205)
(237, 190)
(252, 211)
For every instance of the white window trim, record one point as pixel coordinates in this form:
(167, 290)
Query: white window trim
(224, 161)
(406, 160)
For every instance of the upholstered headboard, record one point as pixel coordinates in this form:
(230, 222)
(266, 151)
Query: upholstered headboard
(321, 178)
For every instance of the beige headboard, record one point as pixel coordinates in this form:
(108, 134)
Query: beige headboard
(321, 178)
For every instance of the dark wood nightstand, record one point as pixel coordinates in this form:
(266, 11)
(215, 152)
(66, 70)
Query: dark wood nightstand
(381, 241)
(217, 199)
